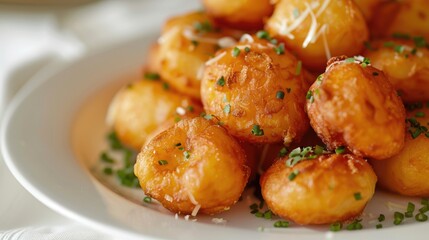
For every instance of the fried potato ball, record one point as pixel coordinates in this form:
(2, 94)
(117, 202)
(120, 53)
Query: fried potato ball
(406, 17)
(406, 173)
(241, 14)
(405, 64)
(257, 91)
(330, 188)
(138, 109)
(195, 166)
(318, 29)
(354, 105)
(186, 43)
(368, 7)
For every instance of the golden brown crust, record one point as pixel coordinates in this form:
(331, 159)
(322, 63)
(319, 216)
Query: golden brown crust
(323, 190)
(240, 14)
(357, 107)
(212, 177)
(345, 33)
(406, 173)
(406, 66)
(139, 108)
(247, 94)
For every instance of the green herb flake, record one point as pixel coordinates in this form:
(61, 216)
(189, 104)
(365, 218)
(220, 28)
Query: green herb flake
(152, 76)
(293, 175)
(336, 227)
(357, 196)
(114, 142)
(399, 48)
(190, 108)
(381, 218)
(366, 62)
(221, 81)
(263, 35)
(309, 96)
(282, 152)
(106, 158)
(378, 226)
(355, 225)
(424, 209)
(280, 49)
(389, 44)
(108, 171)
(398, 218)
(186, 154)
(419, 41)
(203, 27)
(349, 60)
(165, 86)
(280, 95)
(421, 217)
(162, 162)
(420, 114)
(257, 131)
(340, 150)
(281, 224)
(247, 49)
(268, 214)
(298, 68)
(235, 52)
(147, 199)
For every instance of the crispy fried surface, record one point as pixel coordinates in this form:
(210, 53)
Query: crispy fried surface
(322, 192)
(212, 176)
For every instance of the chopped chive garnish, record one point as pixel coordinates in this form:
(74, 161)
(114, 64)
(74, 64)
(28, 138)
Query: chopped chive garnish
(280, 95)
(293, 175)
(253, 206)
(335, 227)
(425, 201)
(247, 49)
(227, 109)
(257, 131)
(298, 68)
(263, 35)
(235, 52)
(398, 218)
(309, 96)
(162, 162)
(281, 224)
(381, 218)
(221, 81)
(268, 214)
(411, 207)
(114, 142)
(190, 108)
(177, 119)
(280, 49)
(366, 62)
(420, 114)
(421, 217)
(420, 42)
(203, 27)
(358, 196)
(283, 152)
(355, 225)
(165, 86)
(399, 48)
(378, 226)
(108, 171)
(318, 150)
(147, 199)
(152, 76)
(106, 158)
(186, 154)
(424, 209)
(340, 150)
(349, 60)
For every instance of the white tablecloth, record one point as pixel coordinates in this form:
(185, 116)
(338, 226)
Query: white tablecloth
(33, 38)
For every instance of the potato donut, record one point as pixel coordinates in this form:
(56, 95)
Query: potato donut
(257, 90)
(186, 42)
(354, 105)
(341, 184)
(241, 14)
(406, 63)
(406, 173)
(406, 16)
(318, 29)
(138, 109)
(195, 166)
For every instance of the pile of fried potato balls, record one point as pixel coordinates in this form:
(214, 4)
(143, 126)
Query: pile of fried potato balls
(241, 88)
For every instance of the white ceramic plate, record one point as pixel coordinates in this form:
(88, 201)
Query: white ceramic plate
(53, 133)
